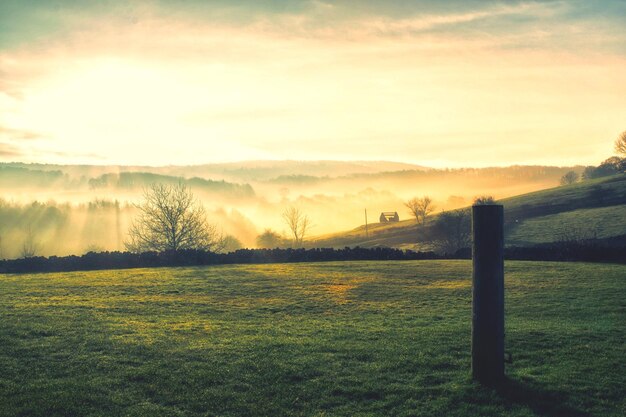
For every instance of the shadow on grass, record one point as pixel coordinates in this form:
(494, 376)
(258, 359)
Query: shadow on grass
(543, 402)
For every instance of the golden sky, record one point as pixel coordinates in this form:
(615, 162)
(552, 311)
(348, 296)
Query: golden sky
(461, 84)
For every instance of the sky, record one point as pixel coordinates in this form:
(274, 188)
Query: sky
(441, 84)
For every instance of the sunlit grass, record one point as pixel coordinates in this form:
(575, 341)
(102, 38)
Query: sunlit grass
(351, 338)
(602, 222)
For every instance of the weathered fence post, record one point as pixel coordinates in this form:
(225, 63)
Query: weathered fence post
(488, 293)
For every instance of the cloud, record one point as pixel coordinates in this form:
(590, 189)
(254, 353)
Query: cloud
(324, 21)
(380, 26)
(10, 151)
(18, 134)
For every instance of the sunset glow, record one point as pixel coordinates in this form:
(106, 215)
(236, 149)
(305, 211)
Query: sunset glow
(525, 83)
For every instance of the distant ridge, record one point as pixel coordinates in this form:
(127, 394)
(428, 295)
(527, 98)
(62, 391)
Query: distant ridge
(258, 170)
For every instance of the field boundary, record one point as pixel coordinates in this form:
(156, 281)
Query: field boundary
(584, 251)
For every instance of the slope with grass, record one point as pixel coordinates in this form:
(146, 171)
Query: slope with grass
(587, 223)
(593, 208)
(340, 339)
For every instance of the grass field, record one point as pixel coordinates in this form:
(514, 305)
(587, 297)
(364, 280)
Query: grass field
(601, 222)
(327, 339)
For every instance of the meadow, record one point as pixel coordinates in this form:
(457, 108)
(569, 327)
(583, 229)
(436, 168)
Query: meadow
(589, 223)
(309, 339)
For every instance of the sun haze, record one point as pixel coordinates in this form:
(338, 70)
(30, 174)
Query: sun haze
(460, 84)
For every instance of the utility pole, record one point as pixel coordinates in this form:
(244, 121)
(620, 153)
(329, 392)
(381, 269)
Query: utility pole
(366, 232)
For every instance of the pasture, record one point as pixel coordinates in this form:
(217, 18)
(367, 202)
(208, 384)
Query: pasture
(309, 339)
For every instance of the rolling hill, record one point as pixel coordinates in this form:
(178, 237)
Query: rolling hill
(585, 210)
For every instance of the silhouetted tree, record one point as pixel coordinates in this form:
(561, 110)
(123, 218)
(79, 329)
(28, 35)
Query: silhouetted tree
(298, 223)
(614, 164)
(569, 178)
(269, 239)
(484, 200)
(588, 173)
(620, 144)
(420, 208)
(452, 231)
(231, 243)
(171, 219)
(30, 246)
(620, 148)
(610, 166)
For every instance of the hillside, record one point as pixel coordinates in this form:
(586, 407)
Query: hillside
(589, 209)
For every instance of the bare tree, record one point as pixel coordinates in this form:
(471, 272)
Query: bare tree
(569, 178)
(30, 246)
(420, 208)
(298, 223)
(171, 219)
(413, 206)
(620, 143)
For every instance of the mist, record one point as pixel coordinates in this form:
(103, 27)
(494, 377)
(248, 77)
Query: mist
(57, 210)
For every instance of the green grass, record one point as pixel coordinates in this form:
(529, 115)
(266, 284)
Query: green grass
(602, 222)
(606, 191)
(328, 339)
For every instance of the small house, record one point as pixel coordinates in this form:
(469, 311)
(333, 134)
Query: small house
(389, 216)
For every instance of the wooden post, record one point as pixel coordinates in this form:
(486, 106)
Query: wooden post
(488, 293)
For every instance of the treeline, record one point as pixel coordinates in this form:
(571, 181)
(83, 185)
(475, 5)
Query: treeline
(53, 228)
(611, 166)
(18, 177)
(589, 251)
(139, 180)
(514, 173)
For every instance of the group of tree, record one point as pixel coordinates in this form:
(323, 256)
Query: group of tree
(298, 224)
(611, 166)
(171, 219)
